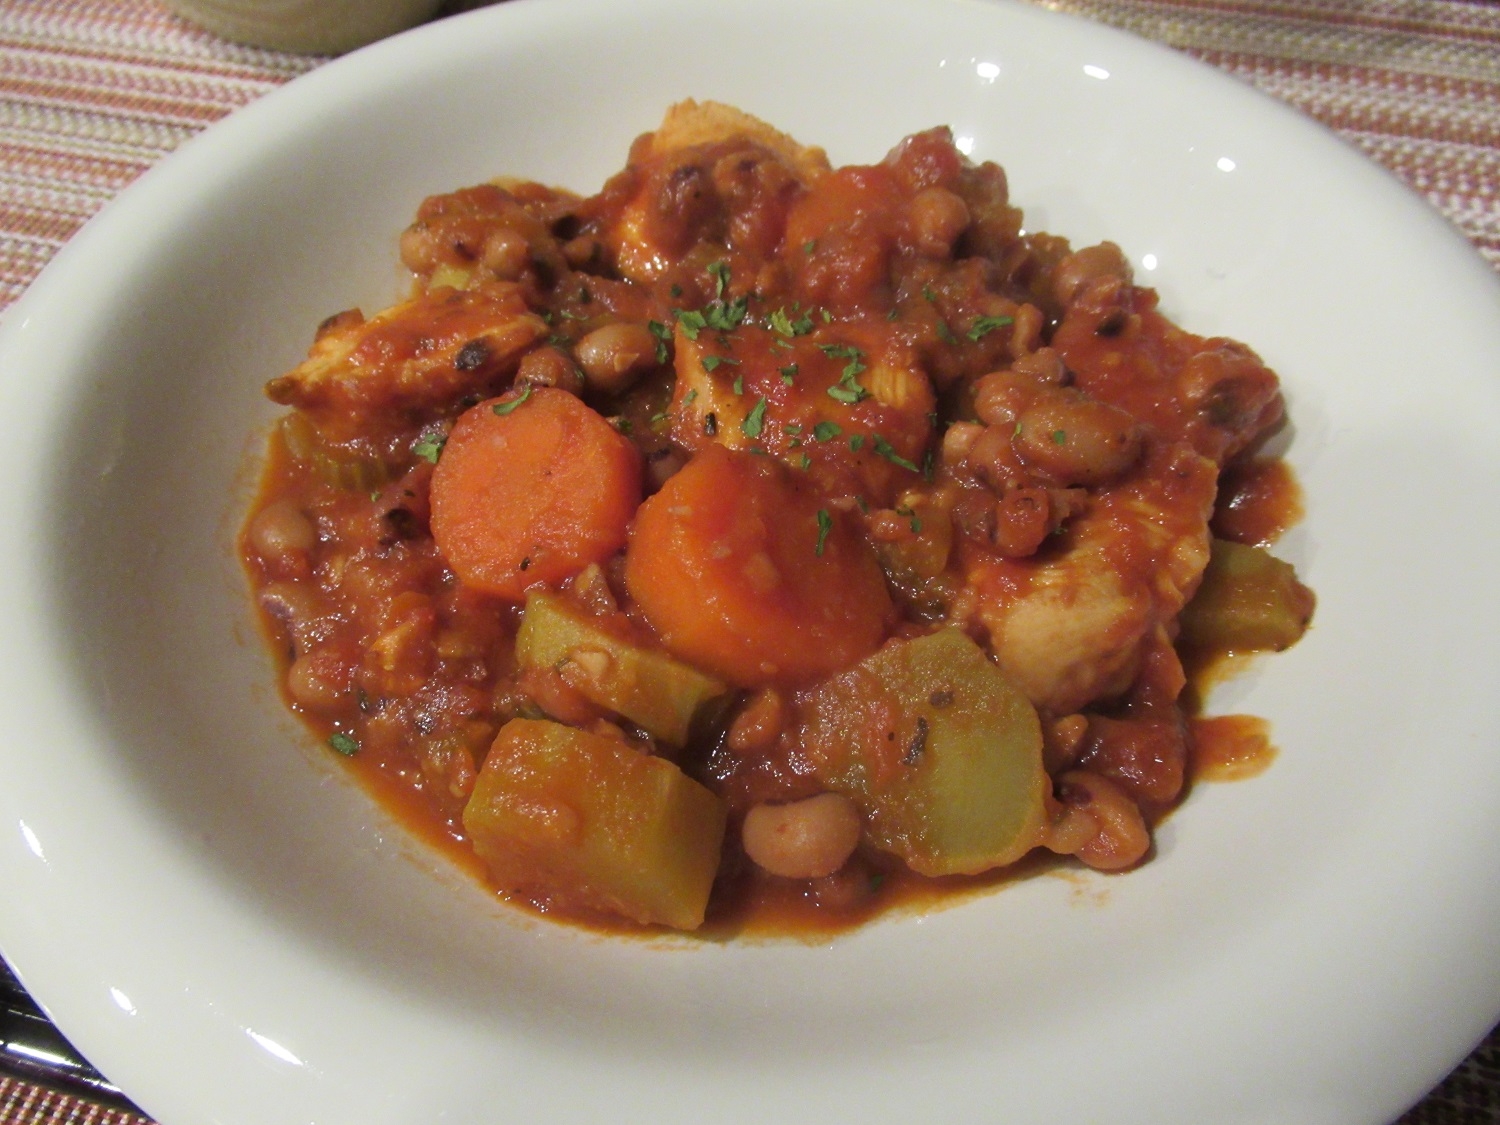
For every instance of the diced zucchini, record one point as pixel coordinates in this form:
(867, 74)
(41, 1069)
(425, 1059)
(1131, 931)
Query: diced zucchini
(940, 751)
(1249, 601)
(588, 822)
(650, 688)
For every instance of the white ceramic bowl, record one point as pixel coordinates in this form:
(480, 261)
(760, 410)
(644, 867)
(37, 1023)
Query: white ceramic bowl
(235, 933)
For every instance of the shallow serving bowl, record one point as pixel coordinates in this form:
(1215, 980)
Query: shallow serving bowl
(235, 933)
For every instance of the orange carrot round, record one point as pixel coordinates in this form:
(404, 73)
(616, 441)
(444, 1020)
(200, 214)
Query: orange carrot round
(744, 570)
(531, 488)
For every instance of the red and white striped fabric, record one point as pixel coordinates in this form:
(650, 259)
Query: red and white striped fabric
(1414, 83)
(93, 92)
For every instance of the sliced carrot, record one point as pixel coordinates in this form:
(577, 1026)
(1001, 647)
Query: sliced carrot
(743, 570)
(531, 488)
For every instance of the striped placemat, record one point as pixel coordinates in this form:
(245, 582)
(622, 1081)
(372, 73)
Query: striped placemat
(93, 92)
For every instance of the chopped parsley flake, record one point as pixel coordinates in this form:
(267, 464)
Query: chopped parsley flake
(712, 362)
(692, 322)
(945, 334)
(789, 373)
(856, 442)
(826, 431)
(345, 744)
(739, 384)
(847, 390)
(720, 272)
(726, 316)
(663, 334)
(504, 408)
(825, 525)
(429, 446)
(781, 321)
(1059, 437)
(755, 420)
(987, 324)
(885, 449)
(687, 399)
(915, 520)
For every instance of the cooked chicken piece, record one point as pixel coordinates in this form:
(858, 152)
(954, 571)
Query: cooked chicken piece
(846, 403)
(709, 174)
(690, 123)
(410, 361)
(1072, 622)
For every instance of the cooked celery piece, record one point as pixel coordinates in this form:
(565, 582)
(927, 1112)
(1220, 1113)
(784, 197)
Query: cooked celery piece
(650, 688)
(356, 472)
(940, 751)
(589, 822)
(1249, 601)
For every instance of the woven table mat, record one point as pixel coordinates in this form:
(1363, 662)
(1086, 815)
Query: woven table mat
(93, 92)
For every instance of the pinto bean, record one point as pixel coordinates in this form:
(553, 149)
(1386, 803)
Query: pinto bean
(805, 839)
(1077, 441)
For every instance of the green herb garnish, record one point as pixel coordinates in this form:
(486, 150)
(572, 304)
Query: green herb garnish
(987, 324)
(886, 450)
(429, 447)
(504, 408)
(755, 420)
(781, 321)
(345, 744)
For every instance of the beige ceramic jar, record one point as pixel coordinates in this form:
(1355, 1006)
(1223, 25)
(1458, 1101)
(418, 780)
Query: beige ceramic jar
(324, 27)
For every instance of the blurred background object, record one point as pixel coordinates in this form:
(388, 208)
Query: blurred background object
(316, 27)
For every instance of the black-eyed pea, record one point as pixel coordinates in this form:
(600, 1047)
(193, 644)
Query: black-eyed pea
(1119, 836)
(506, 253)
(281, 531)
(615, 356)
(1075, 440)
(550, 367)
(935, 219)
(806, 839)
(1093, 263)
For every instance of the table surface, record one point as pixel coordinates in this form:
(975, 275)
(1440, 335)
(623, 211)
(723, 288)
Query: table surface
(93, 92)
